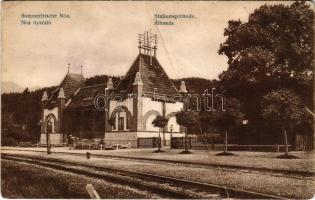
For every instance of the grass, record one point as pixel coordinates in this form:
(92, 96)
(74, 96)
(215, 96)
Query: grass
(19, 180)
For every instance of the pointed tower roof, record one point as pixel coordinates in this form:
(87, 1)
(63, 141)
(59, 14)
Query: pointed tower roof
(70, 84)
(152, 76)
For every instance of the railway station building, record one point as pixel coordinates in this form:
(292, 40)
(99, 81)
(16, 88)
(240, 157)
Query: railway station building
(118, 113)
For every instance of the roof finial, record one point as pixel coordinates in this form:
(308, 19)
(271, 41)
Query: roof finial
(138, 80)
(110, 85)
(183, 88)
(81, 69)
(61, 94)
(68, 68)
(45, 96)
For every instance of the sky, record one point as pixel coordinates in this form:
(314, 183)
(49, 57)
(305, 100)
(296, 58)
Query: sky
(102, 36)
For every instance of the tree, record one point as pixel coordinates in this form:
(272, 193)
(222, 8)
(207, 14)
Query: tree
(284, 109)
(273, 50)
(188, 120)
(160, 122)
(276, 42)
(24, 110)
(204, 123)
(227, 119)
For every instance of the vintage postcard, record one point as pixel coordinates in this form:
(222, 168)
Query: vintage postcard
(157, 100)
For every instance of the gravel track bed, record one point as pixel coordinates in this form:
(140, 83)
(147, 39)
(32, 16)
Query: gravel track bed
(22, 180)
(263, 160)
(274, 185)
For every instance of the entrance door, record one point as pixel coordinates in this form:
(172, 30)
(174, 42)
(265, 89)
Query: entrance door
(121, 123)
(49, 127)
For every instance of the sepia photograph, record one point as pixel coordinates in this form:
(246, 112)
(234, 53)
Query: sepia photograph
(157, 100)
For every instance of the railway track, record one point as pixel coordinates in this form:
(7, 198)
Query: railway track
(255, 170)
(168, 187)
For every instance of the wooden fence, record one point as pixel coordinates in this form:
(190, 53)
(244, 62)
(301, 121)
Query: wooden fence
(197, 143)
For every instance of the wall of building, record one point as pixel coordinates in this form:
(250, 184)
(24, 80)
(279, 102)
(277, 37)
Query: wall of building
(172, 121)
(122, 138)
(55, 138)
(156, 134)
(148, 105)
(128, 115)
(128, 103)
(150, 109)
(153, 108)
(173, 107)
(53, 111)
(131, 138)
(148, 123)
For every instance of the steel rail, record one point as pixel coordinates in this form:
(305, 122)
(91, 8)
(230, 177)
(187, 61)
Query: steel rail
(164, 192)
(183, 183)
(286, 173)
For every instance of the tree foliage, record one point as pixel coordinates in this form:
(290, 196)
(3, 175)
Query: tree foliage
(229, 118)
(160, 121)
(274, 49)
(284, 108)
(276, 41)
(223, 120)
(186, 118)
(101, 79)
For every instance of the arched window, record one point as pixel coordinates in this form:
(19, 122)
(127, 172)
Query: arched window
(121, 119)
(50, 123)
(148, 118)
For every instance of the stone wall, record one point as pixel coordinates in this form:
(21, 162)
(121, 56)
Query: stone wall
(121, 138)
(55, 138)
(124, 138)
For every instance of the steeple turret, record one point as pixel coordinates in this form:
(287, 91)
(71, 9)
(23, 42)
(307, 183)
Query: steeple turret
(110, 85)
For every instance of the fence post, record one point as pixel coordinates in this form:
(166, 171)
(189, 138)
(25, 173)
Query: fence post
(92, 192)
